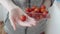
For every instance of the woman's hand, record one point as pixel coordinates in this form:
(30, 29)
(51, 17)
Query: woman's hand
(14, 16)
(15, 13)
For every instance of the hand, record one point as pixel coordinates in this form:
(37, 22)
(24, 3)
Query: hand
(14, 16)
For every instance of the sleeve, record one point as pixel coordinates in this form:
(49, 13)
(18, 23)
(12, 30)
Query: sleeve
(53, 24)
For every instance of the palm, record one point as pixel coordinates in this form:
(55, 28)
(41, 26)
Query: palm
(29, 22)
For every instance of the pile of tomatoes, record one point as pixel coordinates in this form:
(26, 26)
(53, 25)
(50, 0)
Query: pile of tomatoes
(36, 12)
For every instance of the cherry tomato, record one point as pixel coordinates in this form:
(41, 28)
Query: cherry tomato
(23, 18)
(43, 7)
(29, 14)
(40, 10)
(45, 14)
(36, 10)
(37, 16)
(28, 10)
(33, 7)
(43, 10)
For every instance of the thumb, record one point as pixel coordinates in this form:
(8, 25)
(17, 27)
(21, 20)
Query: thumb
(13, 23)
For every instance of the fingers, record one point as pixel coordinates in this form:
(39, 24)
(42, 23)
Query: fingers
(13, 22)
(25, 24)
(32, 22)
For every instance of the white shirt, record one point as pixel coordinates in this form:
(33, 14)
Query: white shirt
(53, 26)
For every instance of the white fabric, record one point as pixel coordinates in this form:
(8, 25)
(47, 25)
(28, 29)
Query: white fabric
(53, 26)
(3, 13)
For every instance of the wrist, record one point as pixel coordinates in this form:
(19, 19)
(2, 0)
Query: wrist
(12, 8)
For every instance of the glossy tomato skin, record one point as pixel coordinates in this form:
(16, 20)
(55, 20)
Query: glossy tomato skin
(43, 6)
(37, 10)
(43, 10)
(29, 14)
(40, 10)
(23, 18)
(37, 16)
(45, 14)
(33, 8)
(28, 10)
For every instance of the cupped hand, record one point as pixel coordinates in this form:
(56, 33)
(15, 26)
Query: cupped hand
(14, 16)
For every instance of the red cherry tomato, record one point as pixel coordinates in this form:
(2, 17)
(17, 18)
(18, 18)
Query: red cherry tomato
(43, 7)
(29, 14)
(28, 10)
(45, 14)
(40, 10)
(43, 10)
(37, 16)
(36, 10)
(33, 7)
(23, 18)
